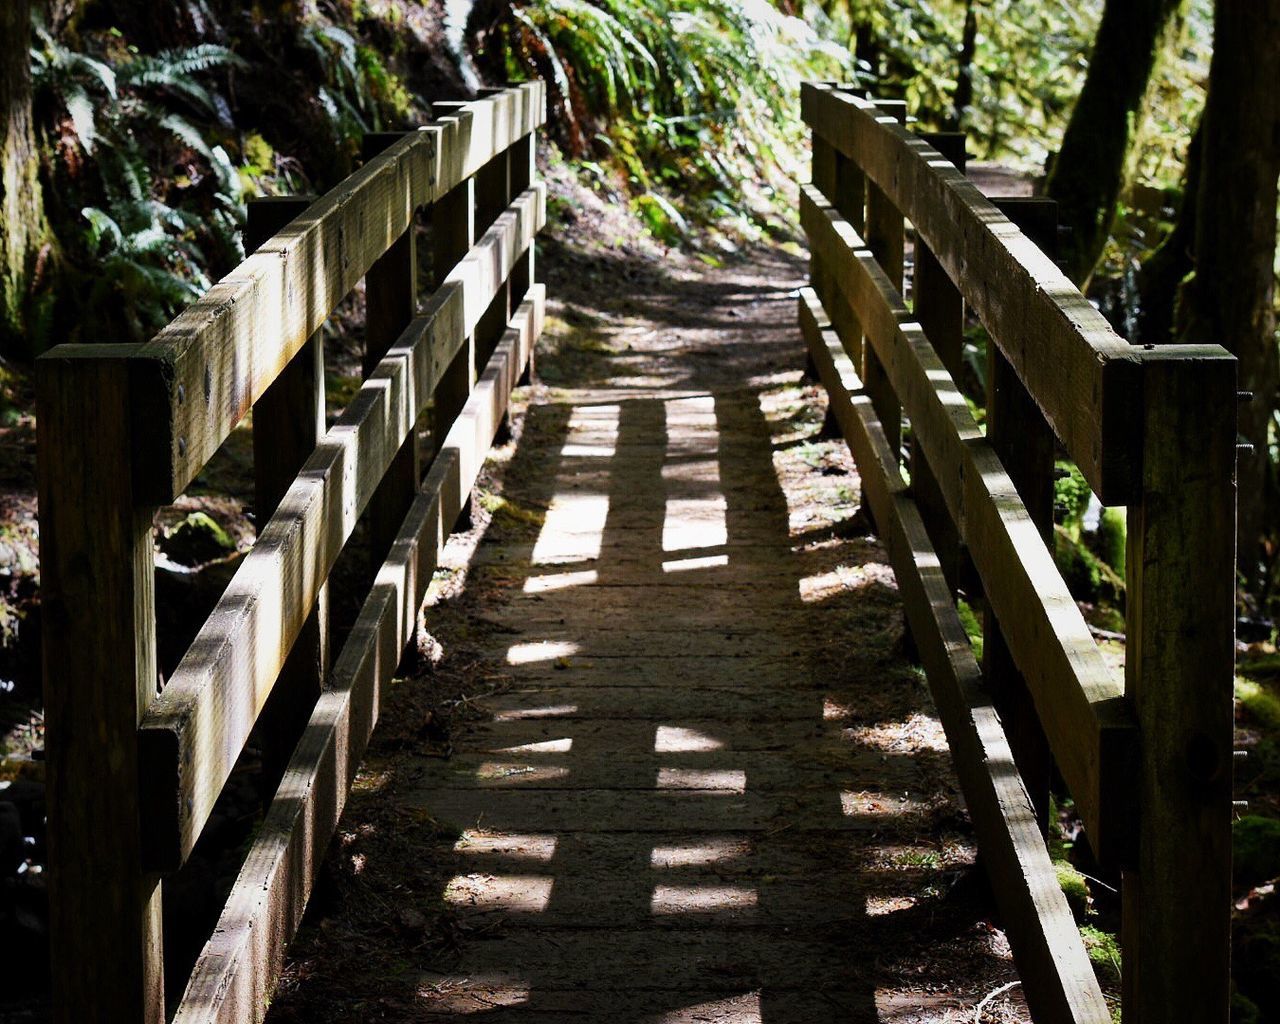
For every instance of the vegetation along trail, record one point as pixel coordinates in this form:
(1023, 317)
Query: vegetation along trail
(669, 762)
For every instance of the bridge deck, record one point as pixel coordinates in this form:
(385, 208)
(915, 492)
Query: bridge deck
(694, 779)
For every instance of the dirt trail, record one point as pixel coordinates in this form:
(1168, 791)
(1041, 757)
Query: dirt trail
(670, 764)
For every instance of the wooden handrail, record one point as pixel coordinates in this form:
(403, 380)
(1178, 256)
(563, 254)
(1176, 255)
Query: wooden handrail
(1148, 763)
(125, 429)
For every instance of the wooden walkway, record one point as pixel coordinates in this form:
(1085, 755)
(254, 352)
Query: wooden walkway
(706, 791)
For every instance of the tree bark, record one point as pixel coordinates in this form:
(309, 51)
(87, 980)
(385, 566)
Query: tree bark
(23, 230)
(964, 75)
(1230, 300)
(1163, 272)
(1088, 173)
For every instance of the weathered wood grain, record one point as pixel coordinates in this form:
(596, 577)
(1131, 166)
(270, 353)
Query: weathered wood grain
(1052, 964)
(200, 375)
(98, 613)
(288, 422)
(1081, 374)
(1180, 614)
(238, 968)
(198, 725)
(1079, 702)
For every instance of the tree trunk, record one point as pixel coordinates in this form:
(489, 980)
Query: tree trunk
(1088, 173)
(23, 231)
(1163, 272)
(1231, 298)
(964, 74)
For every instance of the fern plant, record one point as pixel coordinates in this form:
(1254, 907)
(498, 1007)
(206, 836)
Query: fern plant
(140, 255)
(699, 98)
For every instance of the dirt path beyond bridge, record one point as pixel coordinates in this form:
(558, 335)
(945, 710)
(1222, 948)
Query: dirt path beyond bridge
(668, 762)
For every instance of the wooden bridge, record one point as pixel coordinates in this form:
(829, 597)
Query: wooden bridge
(692, 778)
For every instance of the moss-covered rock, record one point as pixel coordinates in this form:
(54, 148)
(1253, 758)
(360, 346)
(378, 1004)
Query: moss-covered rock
(197, 540)
(1086, 575)
(1109, 540)
(1075, 888)
(1071, 494)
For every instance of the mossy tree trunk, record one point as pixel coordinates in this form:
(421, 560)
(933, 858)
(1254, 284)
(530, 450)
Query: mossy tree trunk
(24, 233)
(1230, 299)
(1088, 174)
(1162, 272)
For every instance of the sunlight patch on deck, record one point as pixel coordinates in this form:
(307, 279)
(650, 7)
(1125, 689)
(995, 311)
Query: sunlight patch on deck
(526, 894)
(693, 899)
(522, 845)
(723, 781)
(699, 853)
(672, 739)
(540, 650)
(560, 581)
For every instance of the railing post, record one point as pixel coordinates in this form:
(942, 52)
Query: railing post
(524, 171)
(453, 233)
(1025, 443)
(1180, 615)
(97, 567)
(288, 422)
(939, 308)
(885, 238)
(391, 298)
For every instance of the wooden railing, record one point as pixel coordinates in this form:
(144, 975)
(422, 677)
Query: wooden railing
(125, 429)
(1147, 760)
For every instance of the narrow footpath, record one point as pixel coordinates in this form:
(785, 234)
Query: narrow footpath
(669, 762)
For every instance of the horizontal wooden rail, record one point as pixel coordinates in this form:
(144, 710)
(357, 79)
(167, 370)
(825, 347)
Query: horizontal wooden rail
(195, 730)
(1079, 700)
(133, 776)
(200, 376)
(1153, 428)
(1056, 974)
(238, 968)
(1082, 375)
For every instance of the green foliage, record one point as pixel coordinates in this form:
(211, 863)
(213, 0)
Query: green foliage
(1258, 702)
(1255, 850)
(1071, 494)
(972, 627)
(141, 253)
(1104, 952)
(696, 99)
(1110, 539)
(1074, 887)
(1028, 63)
(1087, 577)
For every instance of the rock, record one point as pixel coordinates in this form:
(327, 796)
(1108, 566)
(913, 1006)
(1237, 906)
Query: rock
(195, 541)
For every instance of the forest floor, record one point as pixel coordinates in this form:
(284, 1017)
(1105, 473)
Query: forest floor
(665, 759)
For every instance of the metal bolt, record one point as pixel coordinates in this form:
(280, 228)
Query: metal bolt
(1244, 396)
(182, 446)
(1240, 805)
(1240, 755)
(1060, 513)
(1060, 473)
(182, 394)
(1244, 448)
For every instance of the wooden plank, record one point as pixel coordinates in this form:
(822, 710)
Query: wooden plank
(1052, 964)
(200, 375)
(886, 238)
(391, 301)
(288, 422)
(1176, 927)
(98, 611)
(196, 728)
(939, 309)
(239, 966)
(1079, 703)
(1026, 446)
(1082, 375)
